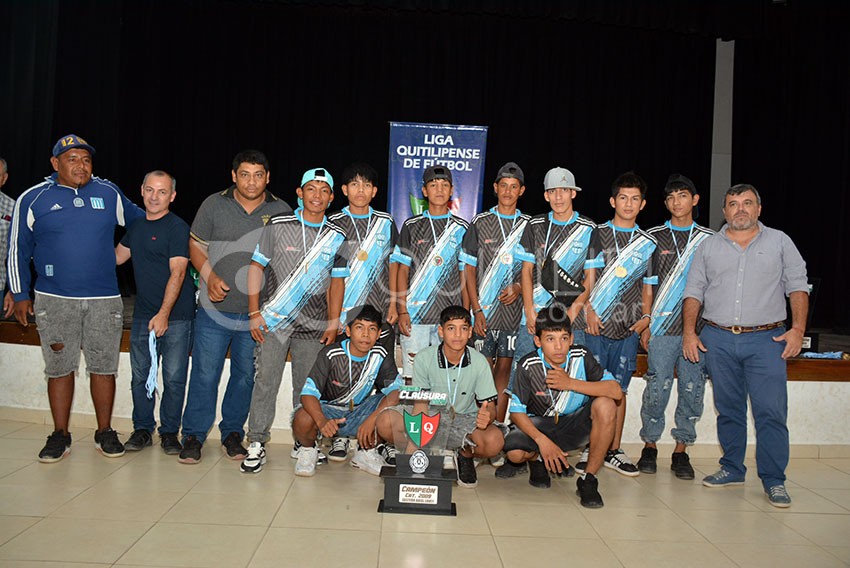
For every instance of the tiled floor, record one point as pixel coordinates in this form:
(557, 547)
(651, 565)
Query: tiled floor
(145, 509)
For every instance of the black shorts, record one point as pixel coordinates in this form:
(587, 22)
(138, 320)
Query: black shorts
(571, 432)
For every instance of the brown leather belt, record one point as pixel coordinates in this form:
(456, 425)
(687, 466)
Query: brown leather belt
(738, 329)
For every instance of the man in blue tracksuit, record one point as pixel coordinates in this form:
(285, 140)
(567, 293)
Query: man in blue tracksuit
(65, 226)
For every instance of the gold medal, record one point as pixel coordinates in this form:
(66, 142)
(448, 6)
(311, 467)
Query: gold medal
(362, 255)
(620, 271)
(452, 412)
(507, 258)
(438, 260)
(556, 417)
(351, 404)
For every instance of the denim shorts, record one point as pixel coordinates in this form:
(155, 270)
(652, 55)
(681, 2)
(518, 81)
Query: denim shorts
(353, 418)
(497, 343)
(65, 325)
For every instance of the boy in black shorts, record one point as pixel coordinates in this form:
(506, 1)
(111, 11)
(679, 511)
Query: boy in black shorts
(562, 398)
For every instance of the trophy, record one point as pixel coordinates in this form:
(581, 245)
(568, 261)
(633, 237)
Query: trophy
(418, 484)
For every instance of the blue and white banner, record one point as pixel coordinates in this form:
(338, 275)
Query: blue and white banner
(416, 146)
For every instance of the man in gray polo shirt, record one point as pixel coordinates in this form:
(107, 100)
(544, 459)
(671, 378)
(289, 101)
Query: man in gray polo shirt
(224, 234)
(741, 276)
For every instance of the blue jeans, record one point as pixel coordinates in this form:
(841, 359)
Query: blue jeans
(524, 345)
(617, 356)
(665, 355)
(173, 351)
(214, 332)
(750, 365)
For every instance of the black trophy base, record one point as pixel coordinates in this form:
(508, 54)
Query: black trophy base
(417, 494)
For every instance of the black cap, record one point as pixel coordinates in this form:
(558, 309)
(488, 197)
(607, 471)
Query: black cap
(437, 172)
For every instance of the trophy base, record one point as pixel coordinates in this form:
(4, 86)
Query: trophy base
(417, 494)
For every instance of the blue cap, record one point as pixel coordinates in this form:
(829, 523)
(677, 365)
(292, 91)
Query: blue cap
(68, 142)
(318, 174)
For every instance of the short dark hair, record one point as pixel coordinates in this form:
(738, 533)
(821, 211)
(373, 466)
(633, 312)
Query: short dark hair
(628, 179)
(455, 313)
(362, 169)
(553, 318)
(739, 189)
(250, 157)
(367, 313)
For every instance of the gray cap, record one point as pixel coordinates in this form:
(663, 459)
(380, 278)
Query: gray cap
(560, 177)
(511, 170)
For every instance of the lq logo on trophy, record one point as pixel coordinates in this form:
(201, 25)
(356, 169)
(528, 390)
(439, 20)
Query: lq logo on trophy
(421, 428)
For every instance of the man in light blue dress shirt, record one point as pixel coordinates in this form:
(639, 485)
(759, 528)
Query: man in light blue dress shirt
(741, 277)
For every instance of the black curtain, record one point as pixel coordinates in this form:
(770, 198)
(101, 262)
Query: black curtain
(184, 85)
(791, 139)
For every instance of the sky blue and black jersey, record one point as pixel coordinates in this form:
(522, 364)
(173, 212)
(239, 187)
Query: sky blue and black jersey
(434, 281)
(296, 283)
(371, 239)
(341, 379)
(533, 397)
(573, 246)
(492, 246)
(671, 262)
(627, 260)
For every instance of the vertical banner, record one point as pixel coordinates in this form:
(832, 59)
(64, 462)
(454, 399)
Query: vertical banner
(417, 146)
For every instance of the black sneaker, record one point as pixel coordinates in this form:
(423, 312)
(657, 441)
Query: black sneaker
(582, 460)
(339, 449)
(232, 446)
(170, 444)
(138, 439)
(57, 447)
(466, 474)
(191, 452)
(388, 452)
(569, 472)
(255, 460)
(510, 469)
(647, 462)
(681, 466)
(587, 489)
(107, 442)
(538, 476)
(620, 462)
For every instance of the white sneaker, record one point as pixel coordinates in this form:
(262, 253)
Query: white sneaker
(293, 453)
(449, 462)
(369, 461)
(255, 460)
(307, 460)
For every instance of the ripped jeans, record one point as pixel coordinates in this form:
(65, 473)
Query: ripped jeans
(665, 355)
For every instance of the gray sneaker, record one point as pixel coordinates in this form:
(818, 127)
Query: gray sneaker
(778, 496)
(722, 478)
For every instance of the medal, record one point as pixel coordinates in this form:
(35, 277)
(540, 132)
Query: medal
(362, 255)
(306, 267)
(351, 404)
(452, 412)
(556, 417)
(620, 271)
(507, 258)
(438, 260)
(78, 202)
